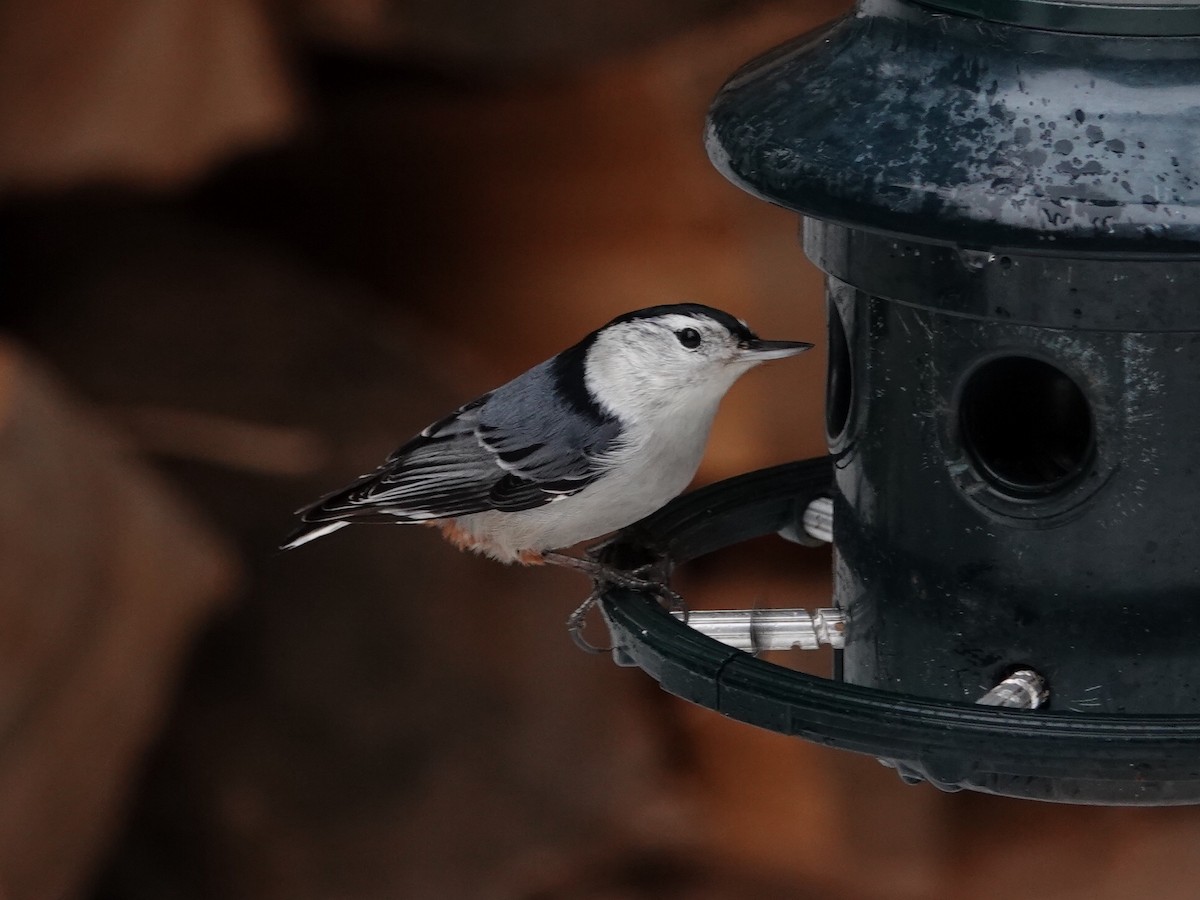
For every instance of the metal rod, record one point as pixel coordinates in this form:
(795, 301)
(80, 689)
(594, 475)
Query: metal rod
(1023, 689)
(755, 630)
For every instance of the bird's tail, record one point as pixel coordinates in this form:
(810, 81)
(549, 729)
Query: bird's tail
(310, 531)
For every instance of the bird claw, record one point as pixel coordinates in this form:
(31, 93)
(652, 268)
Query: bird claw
(577, 621)
(602, 575)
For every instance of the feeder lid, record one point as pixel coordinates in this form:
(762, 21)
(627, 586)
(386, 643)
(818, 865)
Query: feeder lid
(906, 119)
(1136, 18)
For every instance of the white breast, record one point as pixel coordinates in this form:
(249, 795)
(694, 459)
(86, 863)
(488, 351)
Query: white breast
(641, 478)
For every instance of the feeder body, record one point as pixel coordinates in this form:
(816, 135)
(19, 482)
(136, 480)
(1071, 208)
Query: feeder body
(1009, 221)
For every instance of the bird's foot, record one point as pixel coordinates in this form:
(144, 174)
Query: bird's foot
(655, 573)
(577, 622)
(648, 578)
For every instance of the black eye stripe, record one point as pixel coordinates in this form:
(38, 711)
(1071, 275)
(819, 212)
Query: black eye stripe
(689, 337)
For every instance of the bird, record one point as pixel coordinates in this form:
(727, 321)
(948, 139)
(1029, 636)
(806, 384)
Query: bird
(581, 445)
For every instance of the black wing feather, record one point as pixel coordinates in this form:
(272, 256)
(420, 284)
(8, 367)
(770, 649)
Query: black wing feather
(508, 450)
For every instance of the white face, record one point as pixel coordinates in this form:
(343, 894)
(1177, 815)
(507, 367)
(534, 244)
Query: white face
(674, 360)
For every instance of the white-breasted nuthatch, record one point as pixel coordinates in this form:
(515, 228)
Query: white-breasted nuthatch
(587, 442)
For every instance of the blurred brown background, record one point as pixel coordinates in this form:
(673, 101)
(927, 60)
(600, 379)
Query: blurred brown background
(246, 247)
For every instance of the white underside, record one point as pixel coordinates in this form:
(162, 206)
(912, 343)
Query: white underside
(640, 481)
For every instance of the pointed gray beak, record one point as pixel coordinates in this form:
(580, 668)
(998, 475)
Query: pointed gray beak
(760, 350)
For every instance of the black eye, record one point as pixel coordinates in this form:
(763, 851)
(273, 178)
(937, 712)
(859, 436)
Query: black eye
(689, 337)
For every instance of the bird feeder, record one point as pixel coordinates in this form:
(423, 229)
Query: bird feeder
(1005, 199)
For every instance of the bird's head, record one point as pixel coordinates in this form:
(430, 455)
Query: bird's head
(673, 357)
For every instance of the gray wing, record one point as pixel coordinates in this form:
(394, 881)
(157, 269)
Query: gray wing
(519, 447)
